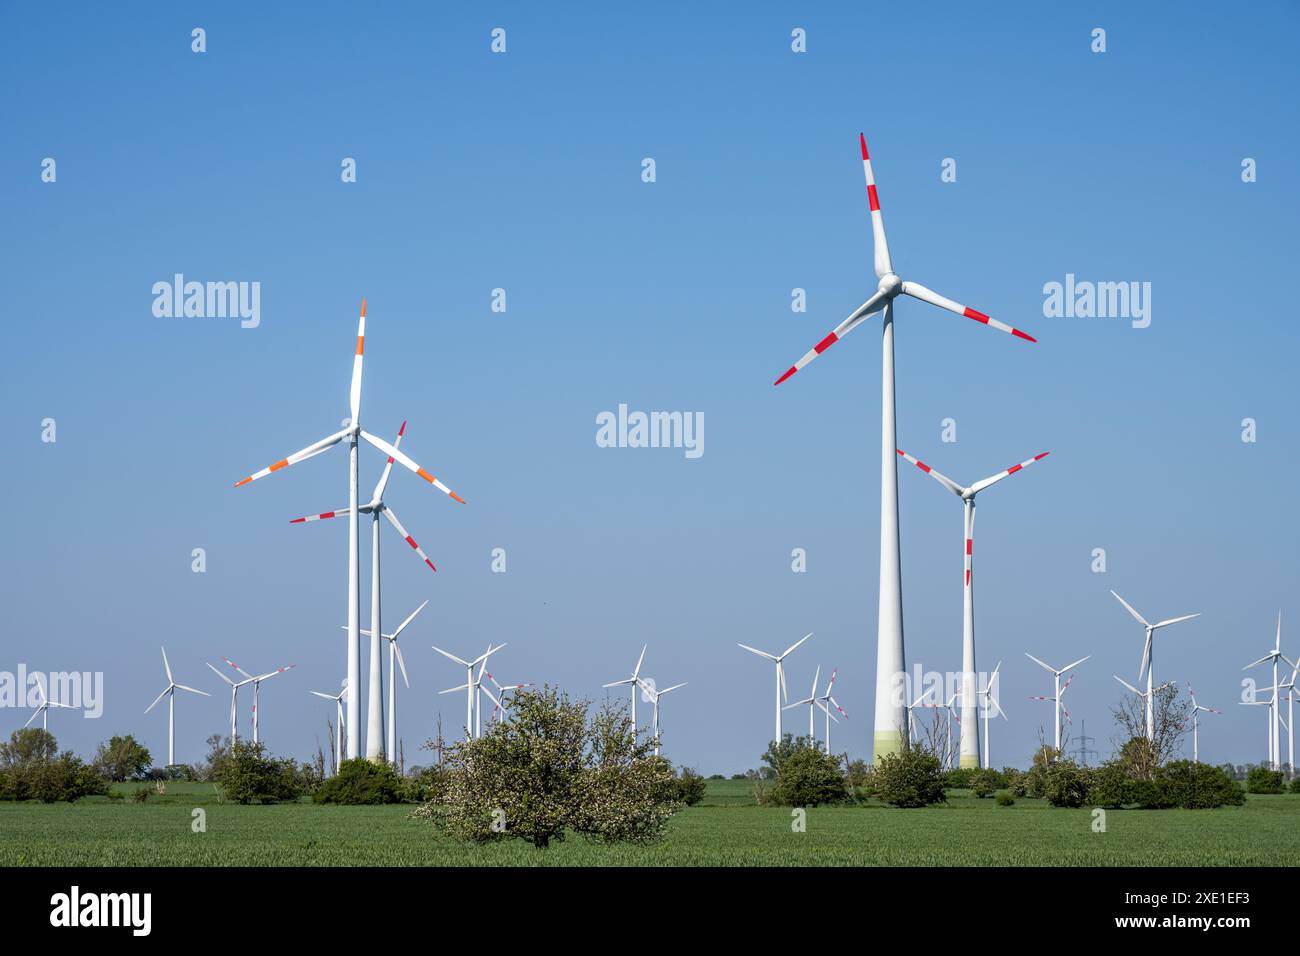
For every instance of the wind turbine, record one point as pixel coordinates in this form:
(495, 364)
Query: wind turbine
(394, 660)
(43, 709)
(1057, 689)
(234, 700)
(1270, 705)
(469, 684)
(498, 712)
(1196, 751)
(338, 723)
(353, 432)
(990, 702)
(1146, 696)
(654, 696)
(780, 674)
(257, 685)
(970, 744)
(826, 701)
(1289, 687)
(1273, 656)
(890, 660)
(1148, 649)
(919, 702)
(949, 713)
(170, 694)
(632, 683)
(811, 701)
(375, 747)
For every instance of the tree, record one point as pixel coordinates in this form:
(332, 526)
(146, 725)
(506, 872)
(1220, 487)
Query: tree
(122, 758)
(778, 751)
(31, 769)
(26, 745)
(546, 771)
(912, 777)
(1065, 785)
(1263, 780)
(250, 775)
(689, 787)
(361, 781)
(1170, 721)
(1139, 758)
(218, 754)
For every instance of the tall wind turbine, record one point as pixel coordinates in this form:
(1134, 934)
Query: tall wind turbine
(234, 700)
(970, 744)
(780, 674)
(256, 681)
(654, 695)
(1289, 686)
(1148, 650)
(990, 703)
(353, 432)
(395, 659)
(375, 743)
(170, 694)
(632, 682)
(890, 659)
(43, 709)
(1057, 689)
(470, 685)
(1273, 656)
(1196, 749)
(811, 702)
(338, 723)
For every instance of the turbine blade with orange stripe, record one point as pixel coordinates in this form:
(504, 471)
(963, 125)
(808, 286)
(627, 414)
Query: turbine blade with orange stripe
(406, 536)
(877, 301)
(993, 480)
(406, 462)
(358, 358)
(918, 291)
(308, 452)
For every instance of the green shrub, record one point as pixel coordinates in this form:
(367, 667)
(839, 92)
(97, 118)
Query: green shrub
(1064, 784)
(913, 777)
(1005, 799)
(689, 787)
(984, 782)
(1295, 785)
(959, 778)
(30, 769)
(122, 758)
(809, 777)
(249, 775)
(362, 782)
(1109, 786)
(425, 785)
(1263, 780)
(1195, 786)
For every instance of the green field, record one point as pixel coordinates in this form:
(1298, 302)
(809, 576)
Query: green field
(727, 829)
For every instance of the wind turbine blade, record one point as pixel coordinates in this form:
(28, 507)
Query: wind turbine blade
(452, 690)
(1262, 660)
(167, 666)
(411, 617)
(674, 687)
(326, 696)
(401, 663)
(336, 513)
(158, 698)
(270, 674)
(36, 713)
(795, 644)
(780, 673)
(392, 519)
(453, 657)
(1050, 670)
(193, 690)
(406, 462)
(994, 479)
(1127, 684)
(354, 393)
(1175, 620)
(1140, 618)
(881, 247)
(918, 291)
(220, 674)
(237, 667)
(491, 696)
(1146, 653)
(1074, 665)
(388, 467)
(944, 480)
(310, 451)
(619, 683)
(816, 677)
(639, 661)
(858, 315)
(797, 703)
(755, 650)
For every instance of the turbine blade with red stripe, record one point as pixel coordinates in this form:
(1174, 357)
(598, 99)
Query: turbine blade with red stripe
(841, 330)
(993, 480)
(402, 459)
(918, 291)
(309, 452)
(392, 518)
(388, 466)
(336, 513)
(883, 265)
(944, 480)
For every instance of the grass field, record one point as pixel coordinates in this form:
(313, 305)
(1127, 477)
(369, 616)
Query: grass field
(726, 830)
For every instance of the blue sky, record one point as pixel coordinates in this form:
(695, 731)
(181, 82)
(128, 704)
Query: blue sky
(522, 171)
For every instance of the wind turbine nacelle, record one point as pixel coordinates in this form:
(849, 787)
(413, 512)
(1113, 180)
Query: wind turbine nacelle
(891, 285)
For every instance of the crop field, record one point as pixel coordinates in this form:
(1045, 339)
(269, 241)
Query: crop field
(727, 829)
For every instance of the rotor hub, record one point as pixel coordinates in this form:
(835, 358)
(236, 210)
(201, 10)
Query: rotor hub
(891, 285)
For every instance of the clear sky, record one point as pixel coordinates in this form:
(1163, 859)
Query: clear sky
(523, 171)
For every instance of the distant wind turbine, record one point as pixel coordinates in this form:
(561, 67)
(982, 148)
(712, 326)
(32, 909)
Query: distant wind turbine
(1058, 690)
(780, 674)
(1148, 651)
(170, 693)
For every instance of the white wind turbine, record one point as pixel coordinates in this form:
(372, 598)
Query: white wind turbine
(1270, 705)
(1273, 656)
(1289, 687)
(655, 694)
(890, 660)
(43, 708)
(826, 701)
(470, 684)
(256, 681)
(170, 694)
(811, 702)
(780, 674)
(338, 723)
(234, 700)
(1148, 651)
(919, 702)
(632, 682)
(499, 711)
(1196, 749)
(990, 703)
(970, 744)
(1057, 689)
(375, 741)
(394, 661)
(353, 432)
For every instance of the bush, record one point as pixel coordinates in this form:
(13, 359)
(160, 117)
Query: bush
(1109, 786)
(122, 758)
(1140, 759)
(1065, 785)
(913, 777)
(248, 775)
(362, 781)
(1295, 785)
(1005, 799)
(425, 785)
(1196, 786)
(547, 772)
(689, 787)
(1263, 780)
(809, 777)
(861, 779)
(959, 778)
(30, 769)
(984, 782)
